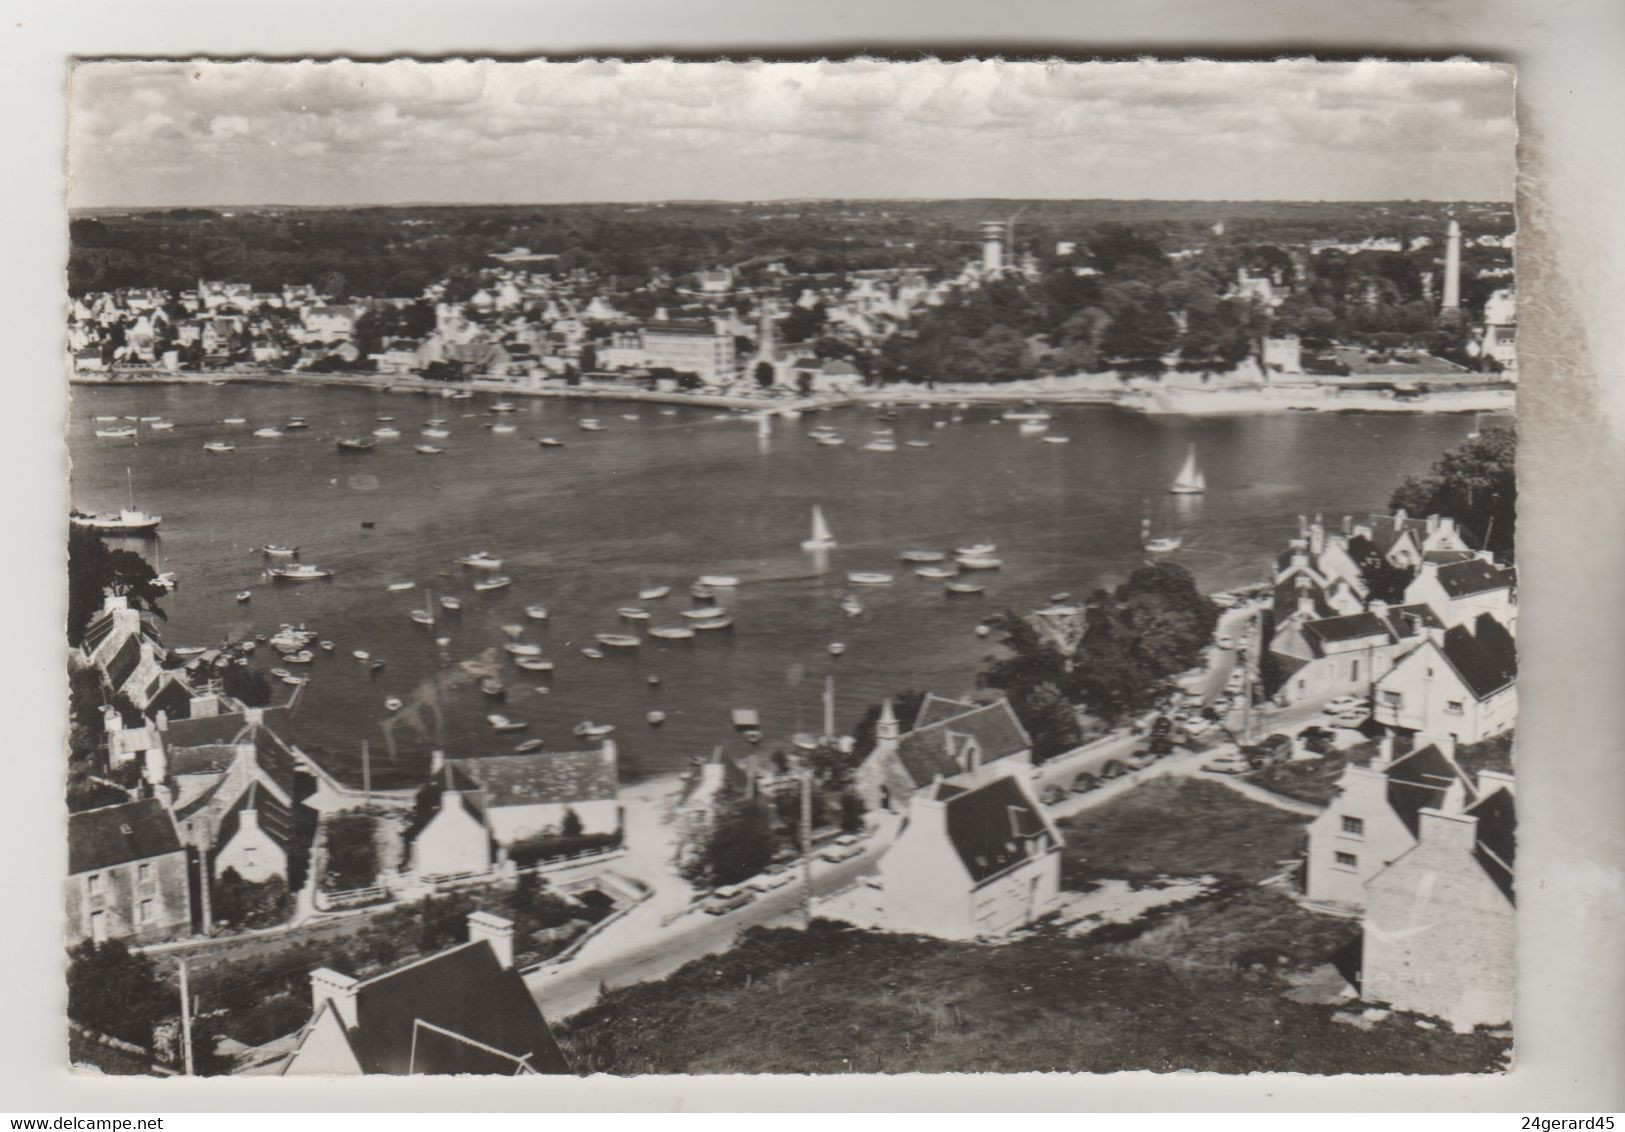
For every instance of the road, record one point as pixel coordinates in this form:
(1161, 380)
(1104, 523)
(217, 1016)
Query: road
(571, 987)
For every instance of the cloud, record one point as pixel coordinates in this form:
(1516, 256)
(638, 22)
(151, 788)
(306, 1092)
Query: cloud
(604, 129)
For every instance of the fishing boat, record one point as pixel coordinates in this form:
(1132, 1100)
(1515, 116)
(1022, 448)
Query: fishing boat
(387, 432)
(244, 595)
(836, 648)
(880, 446)
(979, 562)
(719, 581)
(356, 444)
(400, 587)
(536, 612)
(295, 423)
(129, 520)
(592, 654)
(1057, 440)
(1190, 480)
(299, 572)
(219, 446)
(963, 588)
(533, 663)
(704, 612)
(480, 560)
(587, 729)
(393, 703)
(673, 633)
(851, 606)
(422, 617)
(516, 648)
(618, 640)
(123, 432)
(303, 656)
(550, 442)
(385, 419)
(655, 718)
(822, 538)
(268, 433)
(588, 424)
(276, 550)
(435, 433)
(528, 746)
(653, 593)
(451, 603)
(504, 428)
(936, 572)
(234, 420)
(496, 582)
(715, 623)
(977, 551)
(162, 426)
(868, 578)
(702, 593)
(492, 687)
(503, 723)
(633, 613)
(427, 449)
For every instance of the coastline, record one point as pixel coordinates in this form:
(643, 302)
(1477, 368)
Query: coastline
(1151, 398)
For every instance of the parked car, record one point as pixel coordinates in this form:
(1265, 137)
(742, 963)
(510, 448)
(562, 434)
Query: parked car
(725, 900)
(774, 878)
(1161, 725)
(837, 853)
(1342, 704)
(1114, 768)
(1231, 762)
(1085, 782)
(1352, 719)
(1141, 759)
(1052, 794)
(1271, 750)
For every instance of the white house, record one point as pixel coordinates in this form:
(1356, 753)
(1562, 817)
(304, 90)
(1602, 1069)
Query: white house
(1373, 820)
(1459, 682)
(450, 837)
(1331, 656)
(1440, 922)
(950, 738)
(980, 859)
(528, 796)
(1458, 592)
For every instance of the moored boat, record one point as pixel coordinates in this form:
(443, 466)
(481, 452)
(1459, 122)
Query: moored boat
(715, 623)
(618, 640)
(268, 433)
(278, 551)
(533, 663)
(936, 572)
(963, 588)
(822, 537)
(400, 587)
(672, 633)
(851, 606)
(653, 593)
(356, 444)
(592, 654)
(503, 723)
(244, 595)
(219, 446)
(422, 617)
(633, 613)
(481, 560)
(496, 582)
(492, 687)
(868, 578)
(1190, 480)
(536, 612)
(719, 581)
(299, 572)
(516, 648)
(451, 603)
(528, 746)
(979, 562)
(587, 729)
(1166, 545)
(123, 432)
(703, 612)
(922, 556)
(550, 442)
(427, 449)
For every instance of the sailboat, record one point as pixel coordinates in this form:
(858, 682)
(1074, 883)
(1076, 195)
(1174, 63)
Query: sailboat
(1478, 430)
(822, 538)
(1164, 545)
(1190, 480)
(130, 520)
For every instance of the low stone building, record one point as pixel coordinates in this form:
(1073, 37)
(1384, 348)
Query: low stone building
(127, 875)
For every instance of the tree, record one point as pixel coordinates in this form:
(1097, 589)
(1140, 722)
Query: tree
(1138, 336)
(352, 856)
(240, 903)
(570, 824)
(738, 845)
(1050, 720)
(94, 572)
(116, 992)
(1475, 484)
(905, 706)
(250, 685)
(765, 374)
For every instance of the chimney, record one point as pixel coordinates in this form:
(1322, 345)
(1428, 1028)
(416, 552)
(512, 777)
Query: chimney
(495, 931)
(1399, 517)
(1456, 832)
(437, 761)
(1317, 538)
(1306, 605)
(205, 706)
(1455, 797)
(1484, 556)
(157, 766)
(1303, 526)
(1378, 607)
(1348, 524)
(162, 719)
(165, 796)
(254, 716)
(1436, 635)
(327, 985)
(248, 818)
(111, 719)
(1429, 569)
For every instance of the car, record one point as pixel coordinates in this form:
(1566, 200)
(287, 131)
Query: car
(1051, 795)
(1231, 762)
(735, 898)
(1342, 704)
(1224, 641)
(837, 853)
(1352, 719)
(773, 878)
(1141, 759)
(1085, 782)
(847, 839)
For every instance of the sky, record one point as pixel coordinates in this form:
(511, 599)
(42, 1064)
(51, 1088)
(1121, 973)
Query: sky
(342, 133)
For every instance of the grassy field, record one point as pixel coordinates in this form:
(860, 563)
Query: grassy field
(1190, 993)
(1179, 827)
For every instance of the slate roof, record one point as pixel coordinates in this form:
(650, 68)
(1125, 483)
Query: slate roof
(992, 826)
(123, 663)
(1408, 620)
(940, 748)
(1352, 627)
(118, 835)
(539, 779)
(215, 758)
(466, 1013)
(1463, 579)
(1497, 815)
(935, 709)
(1485, 656)
(1420, 781)
(274, 818)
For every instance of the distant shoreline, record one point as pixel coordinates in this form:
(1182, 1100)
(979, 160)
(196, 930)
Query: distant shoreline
(1161, 400)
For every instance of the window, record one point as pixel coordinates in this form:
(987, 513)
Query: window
(93, 884)
(143, 912)
(1453, 707)
(1393, 699)
(143, 873)
(1354, 670)
(1347, 861)
(1355, 826)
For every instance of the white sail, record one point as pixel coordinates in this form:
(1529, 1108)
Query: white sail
(1190, 480)
(822, 538)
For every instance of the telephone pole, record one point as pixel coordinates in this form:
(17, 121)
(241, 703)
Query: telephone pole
(186, 1020)
(806, 847)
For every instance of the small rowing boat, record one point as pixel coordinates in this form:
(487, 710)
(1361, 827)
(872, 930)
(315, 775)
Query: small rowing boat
(673, 633)
(533, 663)
(400, 587)
(633, 613)
(587, 729)
(653, 593)
(868, 578)
(536, 612)
(498, 582)
(618, 640)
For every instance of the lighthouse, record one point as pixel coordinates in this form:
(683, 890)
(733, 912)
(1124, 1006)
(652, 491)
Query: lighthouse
(992, 246)
(1452, 267)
